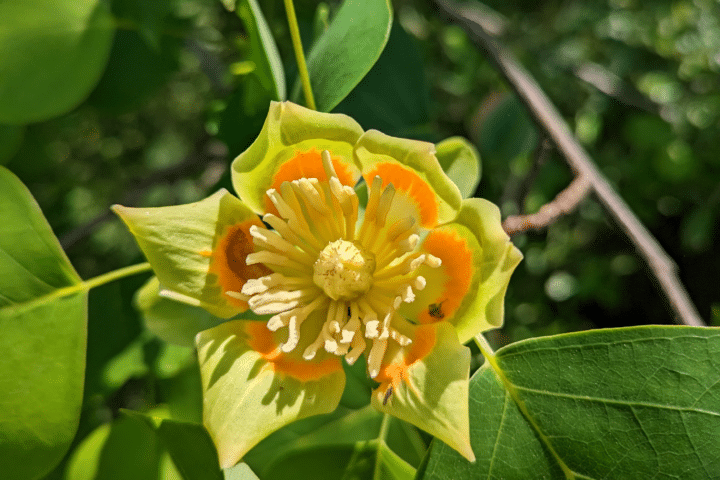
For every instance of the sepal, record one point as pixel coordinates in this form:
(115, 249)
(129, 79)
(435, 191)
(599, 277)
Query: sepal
(460, 160)
(198, 250)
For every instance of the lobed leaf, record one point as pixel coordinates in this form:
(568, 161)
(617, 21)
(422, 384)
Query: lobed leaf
(639, 402)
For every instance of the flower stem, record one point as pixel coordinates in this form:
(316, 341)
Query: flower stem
(299, 55)
(81, 286)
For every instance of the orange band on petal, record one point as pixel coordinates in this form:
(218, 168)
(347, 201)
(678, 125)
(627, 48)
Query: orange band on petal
(406, 180)
(307, 165)
(396, 371)
(262, 341)
(228, 260)
(456, 269)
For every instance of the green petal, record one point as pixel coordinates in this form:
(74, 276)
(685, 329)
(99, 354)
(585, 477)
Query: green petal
(412, 167)
(197, 250)
(468, 289)
(461, 161)
(434, 393)
(493, 265)
(174, 322)
(248, 394)
(289, 130)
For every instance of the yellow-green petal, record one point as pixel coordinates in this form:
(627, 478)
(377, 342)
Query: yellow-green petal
(289, 147)
(198, 250)
(468, 289)
(250, 389)
(422, 188)
(427, 384)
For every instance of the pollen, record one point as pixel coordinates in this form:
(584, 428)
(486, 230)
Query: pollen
(356, 279)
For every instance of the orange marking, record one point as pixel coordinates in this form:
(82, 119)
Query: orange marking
(262, 341)
(457, 267)
(228, 260)
(205, 253)
(307, 165)
(408, 181)
(395, 373)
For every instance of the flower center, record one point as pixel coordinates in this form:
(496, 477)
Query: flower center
(357, 280)
(344, 270)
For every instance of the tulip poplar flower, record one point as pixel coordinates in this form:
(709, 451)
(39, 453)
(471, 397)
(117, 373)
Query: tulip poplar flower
(365, 249)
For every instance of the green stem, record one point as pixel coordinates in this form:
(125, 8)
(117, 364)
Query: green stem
(116, 274)
(299, 55)
(82, 286)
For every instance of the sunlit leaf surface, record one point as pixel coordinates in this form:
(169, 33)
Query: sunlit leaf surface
(624, 403)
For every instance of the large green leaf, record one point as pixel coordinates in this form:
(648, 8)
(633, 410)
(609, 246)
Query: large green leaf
(191, 449)
(42, 338)
(629, 403)
(52, 53)
(347, 50)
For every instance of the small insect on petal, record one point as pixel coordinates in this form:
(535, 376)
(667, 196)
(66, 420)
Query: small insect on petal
(435, 310)
(388, 394)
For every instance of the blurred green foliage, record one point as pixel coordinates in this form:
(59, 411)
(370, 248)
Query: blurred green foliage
(180, 97)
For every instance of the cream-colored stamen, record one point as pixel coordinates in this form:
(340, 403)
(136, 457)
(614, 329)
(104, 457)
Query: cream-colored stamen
(356, 281)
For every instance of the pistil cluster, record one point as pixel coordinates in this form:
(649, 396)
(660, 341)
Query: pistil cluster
(321, 263)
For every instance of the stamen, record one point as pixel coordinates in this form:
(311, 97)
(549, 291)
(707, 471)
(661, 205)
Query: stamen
(327, 164)
(377, 352)
(270, 240)
(277, 260)
(309, 244)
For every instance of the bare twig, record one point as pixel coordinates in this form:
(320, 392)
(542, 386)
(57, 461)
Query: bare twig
(565, 202)
(549, 119)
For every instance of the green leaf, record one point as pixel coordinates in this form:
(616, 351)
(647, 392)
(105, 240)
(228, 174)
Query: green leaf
(622, 403)
(191, 449)
(52, 53)
(11, 137)
(347, 50)
(43, 338)
(264, 53)
(461, 162)
(128, 448)
(393, 97)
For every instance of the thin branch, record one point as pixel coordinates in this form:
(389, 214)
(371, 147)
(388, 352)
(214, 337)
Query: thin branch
(549, 119)
(564, 203)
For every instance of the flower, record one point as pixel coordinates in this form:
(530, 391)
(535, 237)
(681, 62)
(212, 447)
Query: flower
(402, 278)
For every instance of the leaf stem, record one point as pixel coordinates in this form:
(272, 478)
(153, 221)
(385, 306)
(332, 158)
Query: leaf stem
(81, 286)
(116, 274)
(299, 55)
(483, 345)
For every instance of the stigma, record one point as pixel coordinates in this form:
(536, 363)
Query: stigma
(356, 278)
